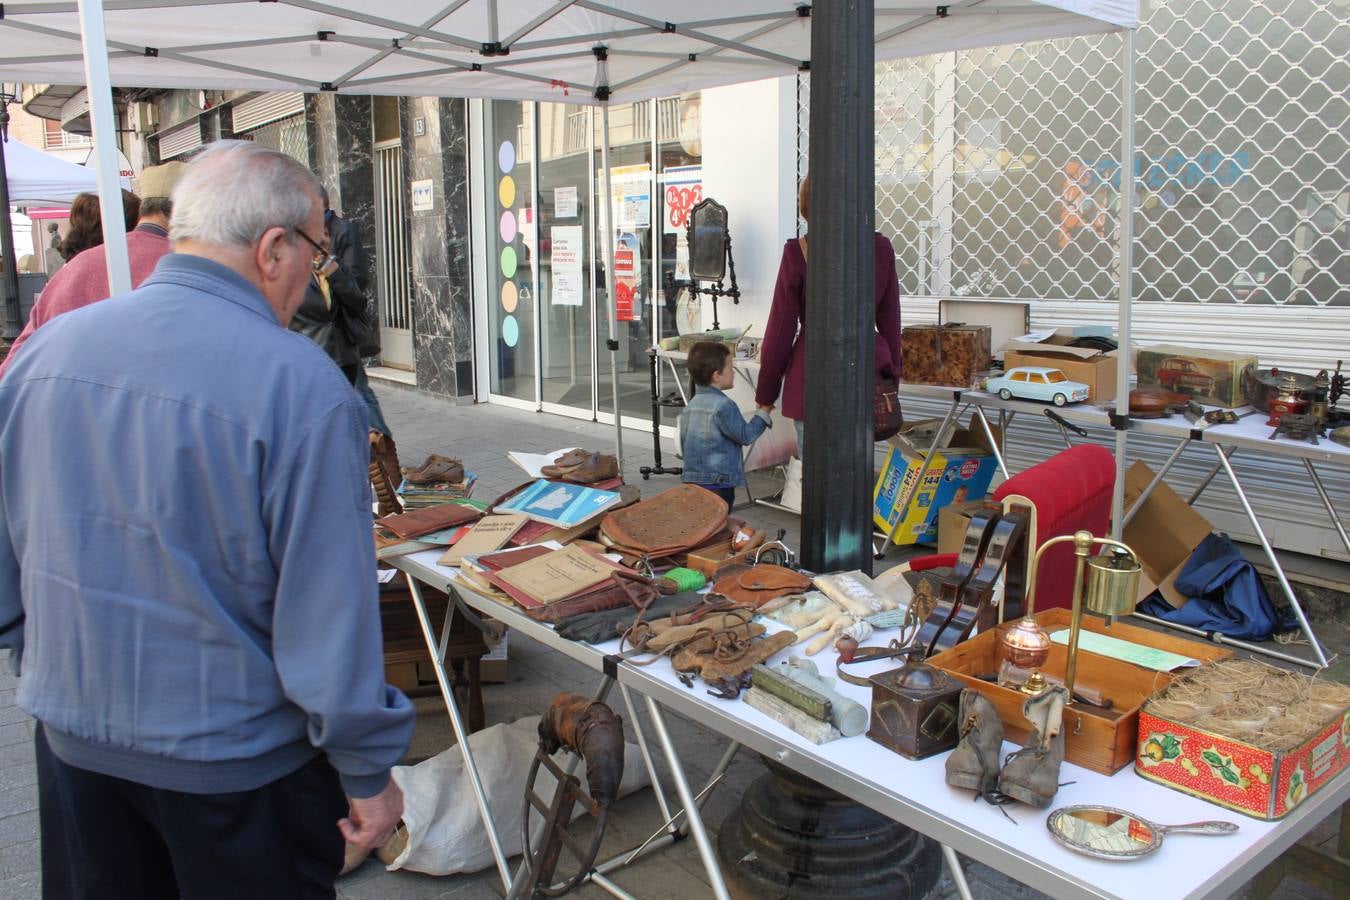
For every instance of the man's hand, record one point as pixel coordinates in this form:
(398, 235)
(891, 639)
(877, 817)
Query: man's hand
(372, 820)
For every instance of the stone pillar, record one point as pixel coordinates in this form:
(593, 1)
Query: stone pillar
(439, 245)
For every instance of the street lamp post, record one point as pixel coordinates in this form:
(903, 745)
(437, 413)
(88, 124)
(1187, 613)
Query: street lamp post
(9, 92)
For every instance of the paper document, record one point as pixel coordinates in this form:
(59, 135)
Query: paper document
(1104, 645)
(489, 533)
(533, 463)
(1036, 337)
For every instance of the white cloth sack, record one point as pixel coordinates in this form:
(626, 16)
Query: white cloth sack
(445, 833)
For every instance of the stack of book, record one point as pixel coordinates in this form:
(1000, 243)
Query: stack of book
(418, 496)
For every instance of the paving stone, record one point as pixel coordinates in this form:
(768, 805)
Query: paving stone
(20, 859)
(18, 828)
(21, 887)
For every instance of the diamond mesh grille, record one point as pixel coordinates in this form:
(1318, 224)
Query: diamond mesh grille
(286, 135)
(998, 169)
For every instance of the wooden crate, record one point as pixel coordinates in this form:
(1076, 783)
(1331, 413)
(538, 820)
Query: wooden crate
(1101, 740)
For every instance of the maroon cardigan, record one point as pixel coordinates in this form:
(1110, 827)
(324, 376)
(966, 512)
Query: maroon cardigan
(783, 352)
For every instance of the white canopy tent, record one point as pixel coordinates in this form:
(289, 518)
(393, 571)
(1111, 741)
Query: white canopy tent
(37, 177)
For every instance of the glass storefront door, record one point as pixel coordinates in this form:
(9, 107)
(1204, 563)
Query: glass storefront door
(567, 342)
(547, 310)
(511, 246)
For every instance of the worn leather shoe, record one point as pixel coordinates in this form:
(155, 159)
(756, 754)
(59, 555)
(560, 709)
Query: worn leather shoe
(973, 765)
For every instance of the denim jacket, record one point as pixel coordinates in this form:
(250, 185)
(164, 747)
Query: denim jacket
(712, 432)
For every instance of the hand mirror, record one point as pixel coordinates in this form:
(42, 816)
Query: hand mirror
(1108, 833)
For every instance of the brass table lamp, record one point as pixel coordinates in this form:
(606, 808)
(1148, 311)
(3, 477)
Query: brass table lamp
(1112, 587)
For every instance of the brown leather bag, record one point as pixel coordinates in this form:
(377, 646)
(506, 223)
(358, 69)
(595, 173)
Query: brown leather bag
(673, 521)
(887, 418)
(757, 585)
(412, 525)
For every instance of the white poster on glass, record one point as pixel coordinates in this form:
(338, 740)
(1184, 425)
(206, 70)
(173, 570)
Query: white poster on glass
(565, 203)
(565, 259)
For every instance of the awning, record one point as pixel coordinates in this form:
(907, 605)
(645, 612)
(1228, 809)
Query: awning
(526, 49)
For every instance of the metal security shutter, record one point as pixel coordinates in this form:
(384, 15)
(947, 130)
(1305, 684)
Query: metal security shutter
(264, 108)
(180, 139)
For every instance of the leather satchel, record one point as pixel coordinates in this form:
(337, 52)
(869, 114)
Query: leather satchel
(412, 525)
(613, 594)
(887, 418)
(757, 585)
(673, 521)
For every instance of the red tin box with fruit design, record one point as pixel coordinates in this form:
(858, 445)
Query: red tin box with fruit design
(1260, 783)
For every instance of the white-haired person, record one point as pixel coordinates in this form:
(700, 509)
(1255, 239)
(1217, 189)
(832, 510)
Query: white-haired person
(187, 582)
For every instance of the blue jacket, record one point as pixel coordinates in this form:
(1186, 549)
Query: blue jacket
(712, 432)
(187, 576)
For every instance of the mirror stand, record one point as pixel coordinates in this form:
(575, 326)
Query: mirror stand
(710, 259)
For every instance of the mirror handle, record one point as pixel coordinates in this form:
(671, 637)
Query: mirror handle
(1214, 827)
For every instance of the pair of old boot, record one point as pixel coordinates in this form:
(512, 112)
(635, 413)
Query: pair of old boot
(436, 469)
(1031, 774)
(582, 467)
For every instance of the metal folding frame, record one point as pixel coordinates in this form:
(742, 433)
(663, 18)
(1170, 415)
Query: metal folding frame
(1225, 464)
(671, 828)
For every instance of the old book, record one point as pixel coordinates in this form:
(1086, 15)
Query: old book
(554, 576)
(563, 505)
(488, 534)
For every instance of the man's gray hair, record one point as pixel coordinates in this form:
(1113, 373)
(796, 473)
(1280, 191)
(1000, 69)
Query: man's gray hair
(233, 191)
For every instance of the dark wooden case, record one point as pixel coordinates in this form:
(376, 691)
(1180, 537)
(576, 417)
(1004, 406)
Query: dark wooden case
(914, 710)
(952, 355)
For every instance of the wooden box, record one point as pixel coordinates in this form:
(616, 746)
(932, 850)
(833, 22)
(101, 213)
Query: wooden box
(1101, 740)
(952, 355)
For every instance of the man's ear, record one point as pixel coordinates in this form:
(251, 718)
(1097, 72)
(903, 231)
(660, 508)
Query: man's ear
(268, 252)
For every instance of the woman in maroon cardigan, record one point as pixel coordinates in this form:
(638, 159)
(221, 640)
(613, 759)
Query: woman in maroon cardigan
(783, 352)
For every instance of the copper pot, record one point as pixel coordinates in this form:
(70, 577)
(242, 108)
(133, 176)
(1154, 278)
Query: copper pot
(1267, 387)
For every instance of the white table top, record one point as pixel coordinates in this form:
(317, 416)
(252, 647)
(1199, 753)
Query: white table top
(1250, 432)
(916, 794)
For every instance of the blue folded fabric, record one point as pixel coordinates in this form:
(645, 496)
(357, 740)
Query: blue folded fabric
(1225, 595)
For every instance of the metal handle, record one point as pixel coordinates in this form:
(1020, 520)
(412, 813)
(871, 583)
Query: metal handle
(1212, 827)
(1064, 423)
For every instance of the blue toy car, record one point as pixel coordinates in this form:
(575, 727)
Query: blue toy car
(1037, 383)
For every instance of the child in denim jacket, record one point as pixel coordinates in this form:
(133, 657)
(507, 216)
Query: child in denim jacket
(712, 430)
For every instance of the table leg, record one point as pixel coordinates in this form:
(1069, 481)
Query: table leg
(1157, 480)
(989, 433)
(705, 849)
(461, 733)
(1326, 501)
(958, 874)
(1270, 555)
(1209, 476)
(646, 752)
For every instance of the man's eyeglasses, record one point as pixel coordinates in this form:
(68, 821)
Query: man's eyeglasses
(322, 255)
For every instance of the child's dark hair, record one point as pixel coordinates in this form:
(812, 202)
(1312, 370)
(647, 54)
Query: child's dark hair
(706, 359)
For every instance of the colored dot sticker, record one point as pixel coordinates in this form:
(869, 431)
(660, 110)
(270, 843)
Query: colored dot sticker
(510, 296)
(506, 156)
(506, 191)
(508, 227)
(508, 261)
(510, 331)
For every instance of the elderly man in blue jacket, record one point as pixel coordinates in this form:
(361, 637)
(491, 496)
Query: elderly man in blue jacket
(187, 579)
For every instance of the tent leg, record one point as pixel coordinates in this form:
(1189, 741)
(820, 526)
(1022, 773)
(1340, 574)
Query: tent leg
(1125, 234)
(99, 80)
(607, 235)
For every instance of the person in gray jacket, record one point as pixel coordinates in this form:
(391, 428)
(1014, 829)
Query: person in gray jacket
(187, 579)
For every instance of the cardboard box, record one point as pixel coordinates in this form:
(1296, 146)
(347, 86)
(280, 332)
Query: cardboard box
(1275, 781)
(1091, 367)
(1163, 534)
(953, 520)
(1210, 376)
(1104, 740)
(959, 472)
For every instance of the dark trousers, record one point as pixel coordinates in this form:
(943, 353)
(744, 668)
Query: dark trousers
(108, 838)
(726, 493)
(350, 372)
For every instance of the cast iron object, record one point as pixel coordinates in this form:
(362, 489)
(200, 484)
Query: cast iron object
(1264, 387)
(589, 729)
(794, 838)
(915, 710)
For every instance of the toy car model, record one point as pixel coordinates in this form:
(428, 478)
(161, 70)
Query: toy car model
(1037, 383)
(1177, 373)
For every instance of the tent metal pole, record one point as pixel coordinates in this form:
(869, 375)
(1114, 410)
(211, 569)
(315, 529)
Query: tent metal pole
(607, 235)
(1125, 234)
(97, 77)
